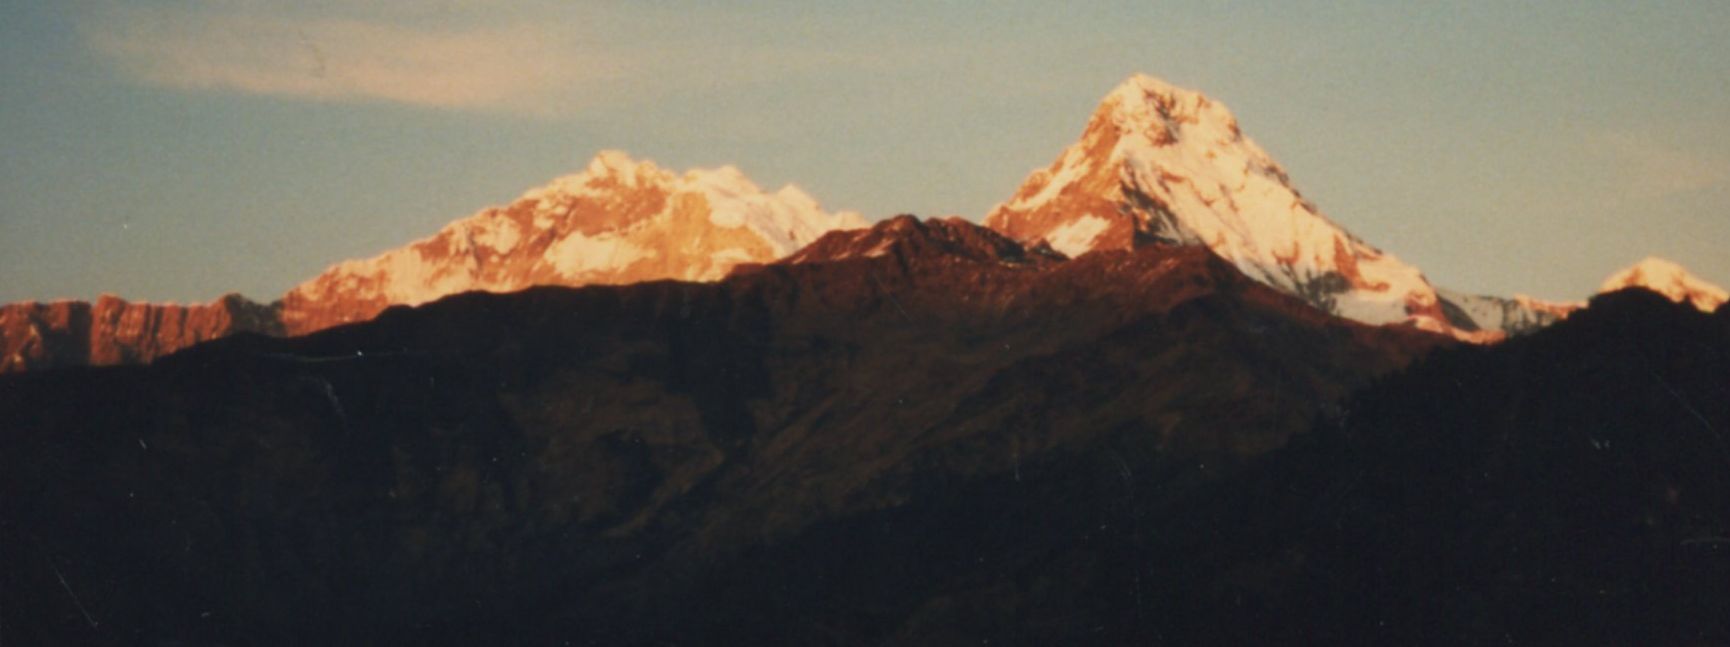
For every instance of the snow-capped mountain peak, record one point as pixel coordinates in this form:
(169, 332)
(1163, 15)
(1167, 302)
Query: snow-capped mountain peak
(619, 220)
(1162, 164)
(1147, 105)
(1671, 280)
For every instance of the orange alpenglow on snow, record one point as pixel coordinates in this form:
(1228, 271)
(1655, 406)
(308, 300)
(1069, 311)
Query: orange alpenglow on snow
(619, 221)
(1162, 164)
(1671, 280)
(1156, 165)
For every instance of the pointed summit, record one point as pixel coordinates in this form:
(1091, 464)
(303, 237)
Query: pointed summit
(1144, 104)
(1162, 164)
(1671, 280)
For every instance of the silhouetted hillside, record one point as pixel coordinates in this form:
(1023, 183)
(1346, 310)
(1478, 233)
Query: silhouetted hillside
(1568, 488)
(952, 437)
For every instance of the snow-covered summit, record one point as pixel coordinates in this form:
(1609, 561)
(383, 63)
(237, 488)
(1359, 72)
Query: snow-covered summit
(1671, 280)
(1518, 315)
(1147, 104)
(619, 220)
(1159, 163)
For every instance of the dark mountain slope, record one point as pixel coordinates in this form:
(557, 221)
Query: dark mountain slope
(1568, 488)
(820, 450)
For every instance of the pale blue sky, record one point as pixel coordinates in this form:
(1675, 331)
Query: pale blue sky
(179, 150)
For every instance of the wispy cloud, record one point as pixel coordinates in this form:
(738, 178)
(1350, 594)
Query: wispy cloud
(535, 57)
(522, 67)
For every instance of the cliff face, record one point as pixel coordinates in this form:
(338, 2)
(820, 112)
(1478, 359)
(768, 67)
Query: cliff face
(35, 336)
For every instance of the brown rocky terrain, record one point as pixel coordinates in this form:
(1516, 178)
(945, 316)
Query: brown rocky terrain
(112, 331)
(921, 433)
(611, 464)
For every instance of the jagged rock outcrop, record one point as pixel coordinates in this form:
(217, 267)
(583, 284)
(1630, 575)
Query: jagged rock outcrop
(114, 331)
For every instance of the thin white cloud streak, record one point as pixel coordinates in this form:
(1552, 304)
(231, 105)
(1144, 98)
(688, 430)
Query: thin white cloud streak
(523, 68)
(537, 59)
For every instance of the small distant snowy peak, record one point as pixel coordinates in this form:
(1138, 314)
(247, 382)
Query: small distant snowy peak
(617, 221)
(1162, 164)
(1671, 280)
(1554, 310)
(1492, 314)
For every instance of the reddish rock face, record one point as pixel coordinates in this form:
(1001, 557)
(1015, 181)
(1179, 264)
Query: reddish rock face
(113, 331)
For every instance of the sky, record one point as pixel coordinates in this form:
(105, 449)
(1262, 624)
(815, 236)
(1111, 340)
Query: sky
(180, 150)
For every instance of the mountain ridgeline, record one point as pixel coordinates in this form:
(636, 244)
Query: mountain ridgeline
(618, 221)
(594, 462)
(923, 432)
(1157, 398)
(1156, 164)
